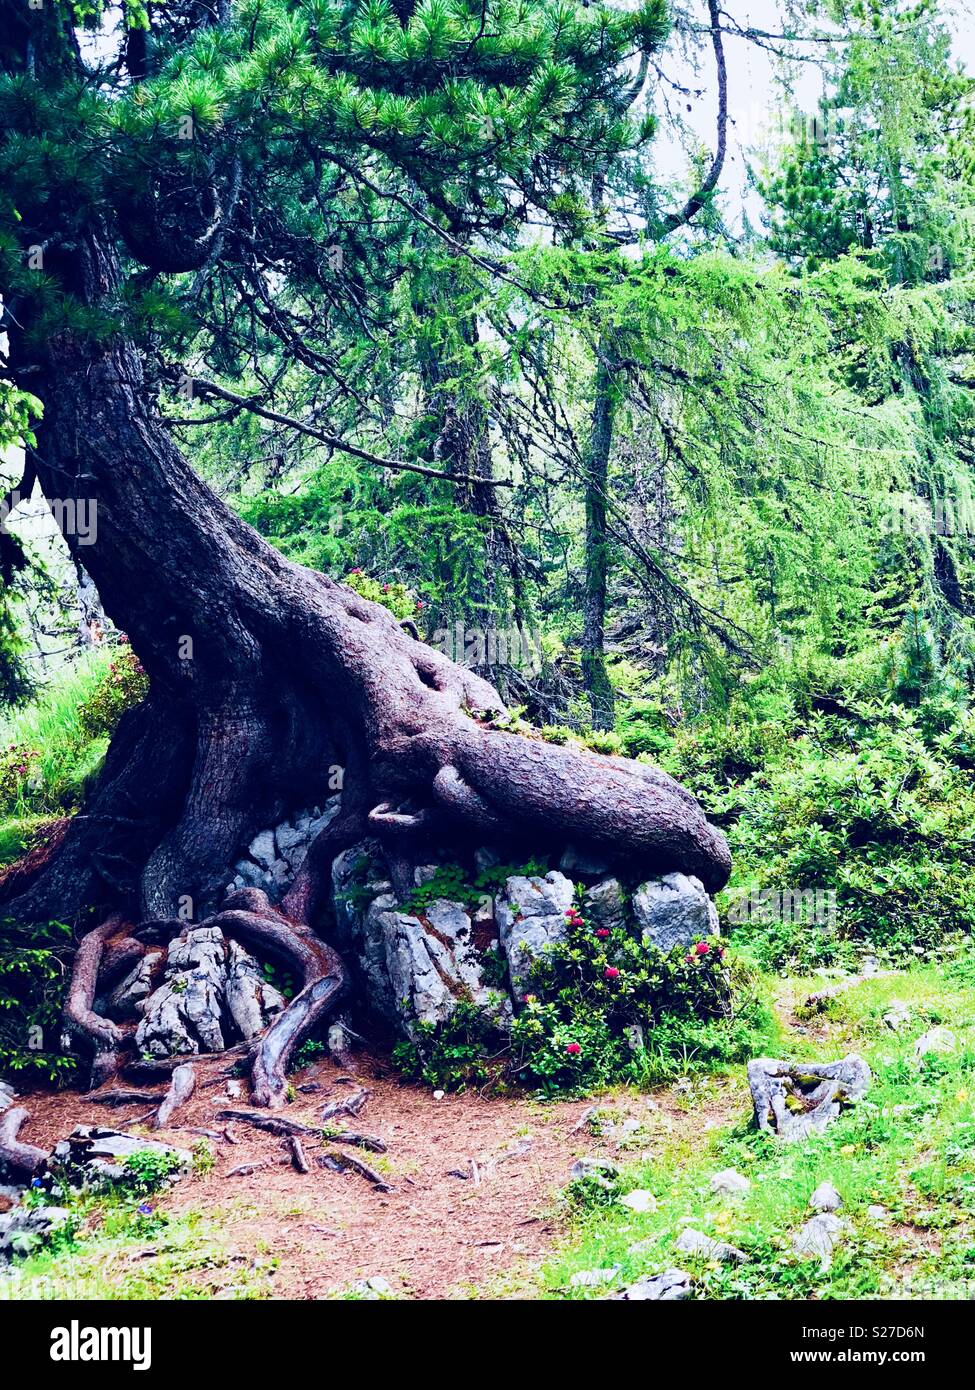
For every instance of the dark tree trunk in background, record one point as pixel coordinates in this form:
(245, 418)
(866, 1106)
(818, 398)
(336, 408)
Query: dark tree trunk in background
(595, 482)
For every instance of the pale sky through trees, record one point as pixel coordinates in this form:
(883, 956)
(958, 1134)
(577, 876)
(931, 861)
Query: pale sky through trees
(756, 94)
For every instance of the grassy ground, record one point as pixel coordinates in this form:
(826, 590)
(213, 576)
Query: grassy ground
(47, 751)
(909, 1147)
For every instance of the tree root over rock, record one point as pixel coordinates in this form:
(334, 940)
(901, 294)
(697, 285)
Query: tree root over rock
(248, 917)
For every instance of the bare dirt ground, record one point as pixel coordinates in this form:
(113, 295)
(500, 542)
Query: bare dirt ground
(434, 1236)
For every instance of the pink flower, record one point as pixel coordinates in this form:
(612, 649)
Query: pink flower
(702, 948)
(611, 972)
(602, 932)
(573, 1048)
(529, 998)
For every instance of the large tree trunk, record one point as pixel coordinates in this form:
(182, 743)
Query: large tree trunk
(263, 678)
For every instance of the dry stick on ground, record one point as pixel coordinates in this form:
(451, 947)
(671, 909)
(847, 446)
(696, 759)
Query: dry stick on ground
(298, 1159)
(120, 1096)
(273, 1124)
(181, 1088)
(152, 1067)
(351, 1105)
(342, 1163)
(25, 1158)
(246, 1169)
(361, 1141)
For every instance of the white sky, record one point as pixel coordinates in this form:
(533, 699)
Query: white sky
(755, 97)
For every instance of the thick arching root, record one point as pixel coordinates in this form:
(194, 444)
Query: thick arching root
(249, 917)
(103, 1036)
(23, 1158)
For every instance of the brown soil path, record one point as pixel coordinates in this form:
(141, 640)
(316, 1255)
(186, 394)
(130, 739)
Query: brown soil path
(435, 1236)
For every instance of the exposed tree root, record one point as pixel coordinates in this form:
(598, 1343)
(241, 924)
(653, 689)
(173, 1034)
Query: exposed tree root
(249, 916)
(346, 1163)
(103, 1036)
(298, 1159)
(21, 1157)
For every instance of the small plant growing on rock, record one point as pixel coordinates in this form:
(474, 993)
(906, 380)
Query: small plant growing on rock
(150, 1169)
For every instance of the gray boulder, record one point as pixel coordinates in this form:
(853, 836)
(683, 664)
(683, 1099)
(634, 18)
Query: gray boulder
(261, 849)
(251, 1000)
(793, 1100)
(826, 1198)
(674, 911)
(93, 1155)
(127, 999)
(669, 1287)
(412, 969)
(691, 1242)
(819, 1237)
(23, 1227)
(604, 905)
(185, 1015)
(530, 914)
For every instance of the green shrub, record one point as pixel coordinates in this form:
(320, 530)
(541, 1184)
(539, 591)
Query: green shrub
(608, 1008)
(32, 982)
(147, 1170)
(50, 749)
(460, 1052)
(123, 686)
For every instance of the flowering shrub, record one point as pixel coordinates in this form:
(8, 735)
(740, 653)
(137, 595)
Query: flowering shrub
(603, 1006)
(18, 763)
(124, 686)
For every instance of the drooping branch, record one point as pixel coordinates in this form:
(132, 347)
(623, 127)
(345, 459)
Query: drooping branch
(698, 199)
(210, 389)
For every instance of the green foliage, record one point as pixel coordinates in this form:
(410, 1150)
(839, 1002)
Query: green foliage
(461, 1052)
(905, 1149)
(825, 783)
(396, 597)
(147, 1170)
(33, 978)
(53, 746)
(609, 1008)
(123, 686)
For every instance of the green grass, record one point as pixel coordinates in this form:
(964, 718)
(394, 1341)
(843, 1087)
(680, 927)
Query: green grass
(909, 1147)
(52, 728)
(132, 1256)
